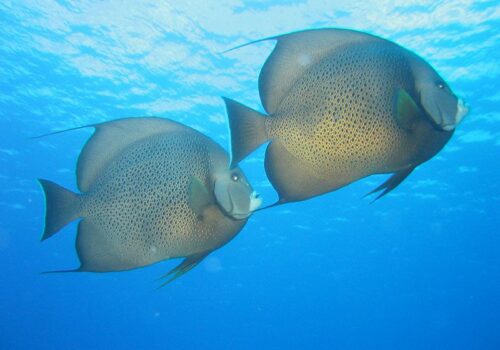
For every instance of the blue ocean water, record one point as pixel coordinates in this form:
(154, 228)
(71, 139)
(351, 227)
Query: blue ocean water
(419, 269)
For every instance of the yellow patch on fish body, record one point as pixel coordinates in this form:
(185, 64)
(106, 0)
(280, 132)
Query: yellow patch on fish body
(338, 117)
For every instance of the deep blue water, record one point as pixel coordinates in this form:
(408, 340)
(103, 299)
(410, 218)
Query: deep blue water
(419, 269)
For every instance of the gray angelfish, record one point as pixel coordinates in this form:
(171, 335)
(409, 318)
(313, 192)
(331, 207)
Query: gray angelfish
(151, 189)
(343, 105)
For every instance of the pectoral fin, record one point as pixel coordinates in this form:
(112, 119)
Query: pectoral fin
(186, 265)
(407, 111)
(391, 183)
(199, 198)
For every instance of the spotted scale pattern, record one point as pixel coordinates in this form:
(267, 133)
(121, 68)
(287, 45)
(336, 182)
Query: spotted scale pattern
(339, 117)
(140, 203)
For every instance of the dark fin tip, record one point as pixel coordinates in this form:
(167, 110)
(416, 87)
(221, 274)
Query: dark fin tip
(185, 266)
(391, 183)
(61, 131)
(247, 44)
(60, 271)
(275, 204)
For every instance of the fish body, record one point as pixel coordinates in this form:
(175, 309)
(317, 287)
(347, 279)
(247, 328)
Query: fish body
(149, 193)
(342, 105)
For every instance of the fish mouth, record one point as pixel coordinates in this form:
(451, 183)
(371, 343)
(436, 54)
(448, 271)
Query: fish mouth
(462, 110)
(448, 127)
(255, 201)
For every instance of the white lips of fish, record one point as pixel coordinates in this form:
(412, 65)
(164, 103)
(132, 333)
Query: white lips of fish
(462, 111)
(255, 201)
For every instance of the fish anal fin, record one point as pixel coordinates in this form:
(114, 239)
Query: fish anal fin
(61, 271)
(391, 183)
(185, 266)
(407, 111)
(199, 198)
(294, 179)
(280, 201)
(98, 251)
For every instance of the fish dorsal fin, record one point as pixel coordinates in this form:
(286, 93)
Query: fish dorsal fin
(199, 198)
(110, 138)
(295, 53)
(407, 111)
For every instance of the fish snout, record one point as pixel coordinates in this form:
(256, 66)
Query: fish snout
(255, 201)
(462, 110)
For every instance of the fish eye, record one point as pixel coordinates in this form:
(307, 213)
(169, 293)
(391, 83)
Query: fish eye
(235, 177)
(440, 85)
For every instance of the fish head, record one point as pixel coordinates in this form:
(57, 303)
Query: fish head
(444, 108)
(234, 194)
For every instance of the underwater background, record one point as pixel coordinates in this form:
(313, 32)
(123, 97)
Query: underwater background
(418, 269)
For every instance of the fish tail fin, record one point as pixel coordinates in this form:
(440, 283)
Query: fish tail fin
(248, 129)
(61, 207)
